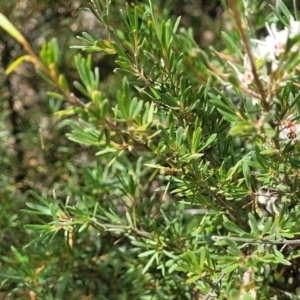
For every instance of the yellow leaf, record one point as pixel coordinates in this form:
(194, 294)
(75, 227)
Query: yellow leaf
(11, 29)
(17, 62)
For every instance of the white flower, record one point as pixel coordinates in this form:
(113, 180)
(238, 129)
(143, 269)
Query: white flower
(268, 50)
(276, 40)
(262, 52)
(273, 45)
(245, 78)
(294, 28)
(269, 201)
(289, 131)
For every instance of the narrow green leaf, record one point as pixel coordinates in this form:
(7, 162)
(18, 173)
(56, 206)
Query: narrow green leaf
(233, 227)
(230, 268)
(128, 217)
(175, 27)
(197, 134)
(169, 100)
(53, 212)
(18, 254)
(55, 49)
(209, 141)
(224, 106)
(234, 169)
(120, 51)
(232, 247)
(246, 173)
(45, 227)
(253, 224)
(83, 227)
(55, 95)
(285, 10)
(202, 258)
(124, 72)
(280, 258)
(38, 209)
(139, 244)
(232, 43)
(149, 263)
(279, 17)
(146, 253)
(179, 136)
(81, 88)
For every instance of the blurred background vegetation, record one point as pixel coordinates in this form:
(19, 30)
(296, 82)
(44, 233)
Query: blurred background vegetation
(36, 155)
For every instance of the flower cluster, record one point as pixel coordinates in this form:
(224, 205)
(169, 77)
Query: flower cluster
(269, 202)
(275, 43)
(268, 50)
(289, 131)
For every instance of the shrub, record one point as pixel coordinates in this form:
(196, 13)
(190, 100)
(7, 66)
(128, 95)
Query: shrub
(193, 191)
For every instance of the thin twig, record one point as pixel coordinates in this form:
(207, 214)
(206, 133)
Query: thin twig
(208, 295)
(126, 229)
(35, 59)
(75, 100)
(217, 238)
(240, 27)
(230, 210)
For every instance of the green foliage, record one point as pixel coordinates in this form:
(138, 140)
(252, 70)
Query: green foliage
(192, 188)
